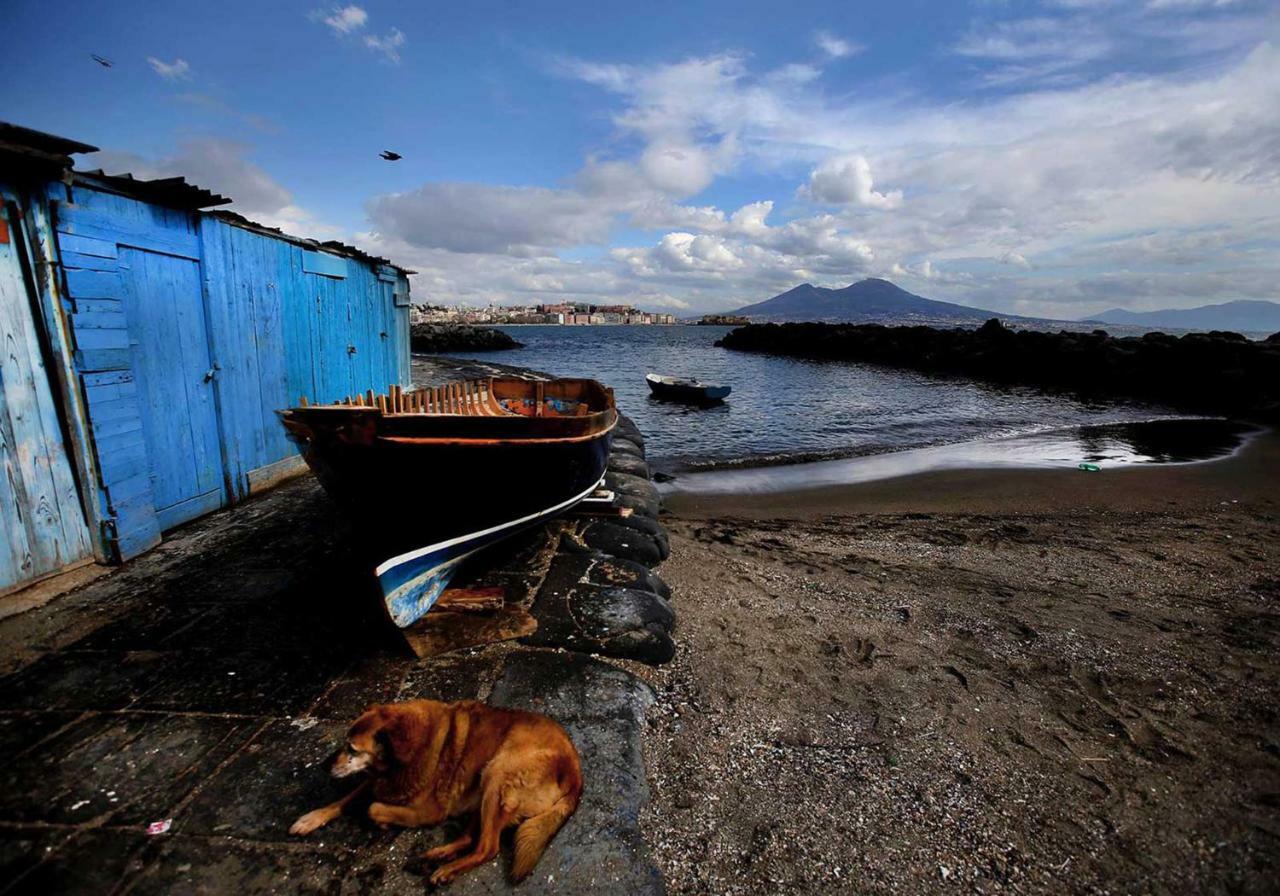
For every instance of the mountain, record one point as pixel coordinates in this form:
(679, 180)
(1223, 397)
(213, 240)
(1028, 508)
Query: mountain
(866, 300)
(1261, 317)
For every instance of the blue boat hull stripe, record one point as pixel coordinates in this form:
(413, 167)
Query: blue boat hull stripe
(408, 598)
(414, 554)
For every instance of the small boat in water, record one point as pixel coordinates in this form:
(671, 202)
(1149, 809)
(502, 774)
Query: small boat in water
(678, 389)
(431, 476)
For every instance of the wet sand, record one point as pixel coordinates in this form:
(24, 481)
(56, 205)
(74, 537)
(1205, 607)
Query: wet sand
(989, 680)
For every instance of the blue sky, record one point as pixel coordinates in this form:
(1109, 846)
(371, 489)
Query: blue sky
(1056, 157)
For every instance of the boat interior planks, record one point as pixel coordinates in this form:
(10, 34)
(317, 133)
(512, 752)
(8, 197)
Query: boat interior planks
(431, 476)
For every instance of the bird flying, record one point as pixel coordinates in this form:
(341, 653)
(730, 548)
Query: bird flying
(101, 60)
(391, 156)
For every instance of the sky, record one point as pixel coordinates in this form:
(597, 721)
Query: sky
(1049, 157)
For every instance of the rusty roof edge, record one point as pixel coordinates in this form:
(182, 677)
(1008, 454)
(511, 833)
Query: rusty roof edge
(53, 151)
(343, 249)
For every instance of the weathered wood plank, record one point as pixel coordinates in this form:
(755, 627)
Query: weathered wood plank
(85, 245)
(140, 534)
(40, 514)
(99, 306)
(75, 220)
(93, 380)
(83, 284)
(102, 359)
(101, 337)
(323, 263)
(88, 262)
(99, 320)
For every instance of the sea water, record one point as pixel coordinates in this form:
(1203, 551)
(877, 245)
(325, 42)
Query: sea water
(786, 410)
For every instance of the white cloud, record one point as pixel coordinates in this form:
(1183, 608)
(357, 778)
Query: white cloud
(835, 47)
(342, 20)
(1108, 186)
(665, 108)
(178, 70)
(388, 45)
(477, 218)
(846, 178)
(347, 20)
(681, 170)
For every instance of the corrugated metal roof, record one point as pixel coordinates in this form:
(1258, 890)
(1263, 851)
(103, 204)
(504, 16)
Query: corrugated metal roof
(50, 151)
(330, 245)
(174, 192)
(32, 148)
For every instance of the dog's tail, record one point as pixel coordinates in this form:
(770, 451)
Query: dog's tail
(533, 835)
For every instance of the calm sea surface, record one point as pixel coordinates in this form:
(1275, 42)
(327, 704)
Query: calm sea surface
(786, 409)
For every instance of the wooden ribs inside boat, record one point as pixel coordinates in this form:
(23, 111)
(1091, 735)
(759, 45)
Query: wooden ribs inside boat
(499, 408)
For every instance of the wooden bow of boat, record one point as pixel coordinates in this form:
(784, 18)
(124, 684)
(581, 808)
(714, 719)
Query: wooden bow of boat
(431, 476)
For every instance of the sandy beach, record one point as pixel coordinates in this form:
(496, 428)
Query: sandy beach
(997, 681)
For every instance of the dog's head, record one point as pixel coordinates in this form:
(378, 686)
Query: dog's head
(382, 738)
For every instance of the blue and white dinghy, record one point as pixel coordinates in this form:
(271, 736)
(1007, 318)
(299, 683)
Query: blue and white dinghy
(431, 476)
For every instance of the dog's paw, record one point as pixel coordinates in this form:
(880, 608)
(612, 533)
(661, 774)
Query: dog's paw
(439, 854)
(381, 813)
(309, 822)
(442, 876)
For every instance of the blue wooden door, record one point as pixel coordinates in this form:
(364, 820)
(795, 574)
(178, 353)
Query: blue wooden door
(42, 524)
(169, 340)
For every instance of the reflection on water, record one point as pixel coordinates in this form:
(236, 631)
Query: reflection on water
(1106, 445)
(785, 408)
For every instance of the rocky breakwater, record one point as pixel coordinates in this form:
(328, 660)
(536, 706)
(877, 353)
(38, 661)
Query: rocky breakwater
(432, 338)
(1215, 372)
(600, 594)
(587, 580)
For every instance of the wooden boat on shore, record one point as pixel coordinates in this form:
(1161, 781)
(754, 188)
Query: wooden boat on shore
(431, 476)
(694, 391)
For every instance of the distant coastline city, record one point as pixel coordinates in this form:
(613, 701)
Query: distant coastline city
(564, 314)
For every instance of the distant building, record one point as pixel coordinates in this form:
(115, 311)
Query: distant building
(559, 313)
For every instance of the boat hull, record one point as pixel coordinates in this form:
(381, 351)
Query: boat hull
(430, 477)
(688, 393)
(423, 510)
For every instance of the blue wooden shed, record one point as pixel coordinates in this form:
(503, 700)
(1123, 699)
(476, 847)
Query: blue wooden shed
(148, 343)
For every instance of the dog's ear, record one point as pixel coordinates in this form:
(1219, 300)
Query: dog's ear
(399, 732)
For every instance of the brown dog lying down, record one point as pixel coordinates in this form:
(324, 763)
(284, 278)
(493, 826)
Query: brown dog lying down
(429, 761)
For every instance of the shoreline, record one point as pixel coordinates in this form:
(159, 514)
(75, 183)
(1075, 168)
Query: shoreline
(1019, 680)
(1005, 489)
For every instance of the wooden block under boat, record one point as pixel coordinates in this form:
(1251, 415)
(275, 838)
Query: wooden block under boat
(469, 600)
(440, 632)
(604, 510)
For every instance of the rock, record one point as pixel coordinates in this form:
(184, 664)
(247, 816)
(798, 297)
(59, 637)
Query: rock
(630, 464)
(431, 338)
(578, 615)
(648, 506)
(646, 526)
(626, 446)
(628, 484)
(1216, 372)
(629, 431)
(577, 564)
(624, 541)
